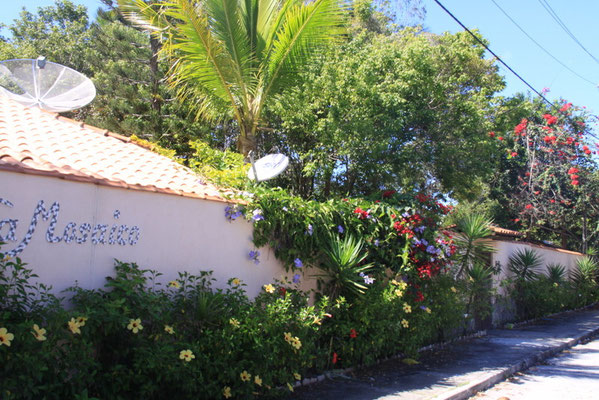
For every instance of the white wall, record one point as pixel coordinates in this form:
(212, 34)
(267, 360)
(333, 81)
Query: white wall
(176, 234)
(504, 311)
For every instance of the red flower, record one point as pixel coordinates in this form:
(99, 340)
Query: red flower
(500, 138)
(361, 213)
(353, 334)
(550, 119)
(565, 107)
(528, 206)
(574, 177)
(573, 170)
(282, 291)
(418, 297)
(575, 183)
(388, 193)
(521, 126)
(516, 220)
(491, 134)
(514, 154)
(335, 358)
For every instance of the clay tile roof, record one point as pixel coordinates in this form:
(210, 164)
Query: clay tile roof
(504, 232)
(42, 143)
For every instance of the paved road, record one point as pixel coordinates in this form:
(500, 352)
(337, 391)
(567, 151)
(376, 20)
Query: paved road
(573, 374)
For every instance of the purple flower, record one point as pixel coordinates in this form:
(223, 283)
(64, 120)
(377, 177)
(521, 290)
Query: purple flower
(310, 230)
(420, 229)
(431, 249)
(298, 263)
(340, 229)
(296, 278)
(368, 280)
(253, 255)
(232, 213)
(362, 274)
(376, 242)
(257, 215)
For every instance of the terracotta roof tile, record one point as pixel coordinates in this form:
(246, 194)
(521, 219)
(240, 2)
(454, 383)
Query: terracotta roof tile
(38, 142)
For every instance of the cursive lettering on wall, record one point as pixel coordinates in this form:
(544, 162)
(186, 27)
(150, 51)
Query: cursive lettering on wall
(122, 235)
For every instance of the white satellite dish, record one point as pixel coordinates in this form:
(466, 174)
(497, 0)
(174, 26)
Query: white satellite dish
(268, 167)
(44, 84)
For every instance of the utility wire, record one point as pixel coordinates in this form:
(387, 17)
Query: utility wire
(559, 21)
(543, 48)
(493, 53)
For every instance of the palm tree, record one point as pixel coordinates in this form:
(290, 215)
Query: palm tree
(232, 55)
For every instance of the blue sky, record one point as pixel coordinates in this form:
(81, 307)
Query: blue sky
(539, 69)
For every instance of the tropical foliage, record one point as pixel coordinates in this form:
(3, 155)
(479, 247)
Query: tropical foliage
(230, 57)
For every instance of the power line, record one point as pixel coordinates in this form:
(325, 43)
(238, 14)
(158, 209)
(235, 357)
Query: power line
(543, 48)
(493, 53)
(562, 25)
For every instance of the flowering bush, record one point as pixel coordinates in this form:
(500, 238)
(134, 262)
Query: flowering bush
(139, 339)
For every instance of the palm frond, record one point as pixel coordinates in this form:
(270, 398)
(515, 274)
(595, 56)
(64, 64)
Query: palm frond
(301, 30)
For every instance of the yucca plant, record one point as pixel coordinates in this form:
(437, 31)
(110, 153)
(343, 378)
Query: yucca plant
(524, 264)
(343, 270)
(556, 273)
(472, 240)
(586, 271)
(479, 286)
(229, 56)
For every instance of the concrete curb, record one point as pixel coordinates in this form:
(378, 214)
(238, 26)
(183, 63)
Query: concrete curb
(496, 376)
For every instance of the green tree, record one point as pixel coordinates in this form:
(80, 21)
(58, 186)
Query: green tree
(59, 32)
(409, 110)
(230, 56)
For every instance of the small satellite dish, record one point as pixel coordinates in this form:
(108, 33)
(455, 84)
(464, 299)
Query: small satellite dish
(268, 167)
(47, 85)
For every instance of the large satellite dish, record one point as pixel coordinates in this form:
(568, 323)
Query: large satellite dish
(44, 84)
(268, 167)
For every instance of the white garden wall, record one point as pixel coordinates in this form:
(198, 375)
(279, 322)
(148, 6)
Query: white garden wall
(164, 232)
(504, 249)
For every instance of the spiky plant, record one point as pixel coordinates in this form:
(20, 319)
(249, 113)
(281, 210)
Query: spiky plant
(472, 240)
(229, 56)
(556, 273)
(342, 266)
(586, 271)
(525, 264)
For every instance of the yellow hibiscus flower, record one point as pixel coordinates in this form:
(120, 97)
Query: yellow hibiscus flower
(174, 284)
(5, 337)
(74, 326)
(234, 323)
(245, 376)
(269, 288)
(186, 355)
(135, 325)
(297, 376)
(169, 329)
(236, 282)
(38, 333)
(407, 308)
(405, 323)
(81, 321)
(258, 380)
(227, 392)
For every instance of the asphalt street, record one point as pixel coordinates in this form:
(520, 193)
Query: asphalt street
(572, 374)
